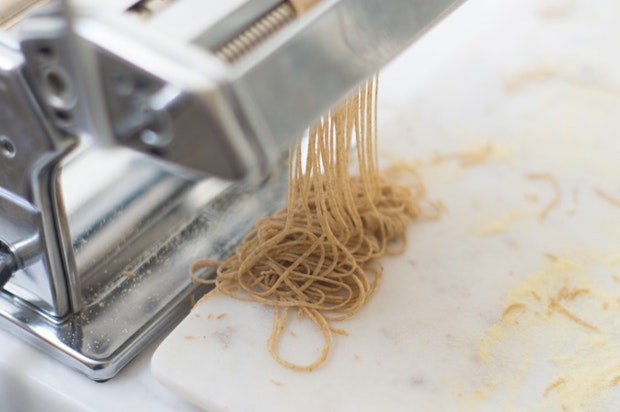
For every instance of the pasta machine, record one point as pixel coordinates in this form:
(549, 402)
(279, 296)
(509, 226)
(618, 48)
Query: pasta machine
(136, 137)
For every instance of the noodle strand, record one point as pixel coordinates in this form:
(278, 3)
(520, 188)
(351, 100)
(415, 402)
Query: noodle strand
(318, 256)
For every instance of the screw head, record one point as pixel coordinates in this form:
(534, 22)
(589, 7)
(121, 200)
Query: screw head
(7, 147)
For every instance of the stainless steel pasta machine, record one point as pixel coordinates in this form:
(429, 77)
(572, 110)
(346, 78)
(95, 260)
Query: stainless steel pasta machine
(122, 127)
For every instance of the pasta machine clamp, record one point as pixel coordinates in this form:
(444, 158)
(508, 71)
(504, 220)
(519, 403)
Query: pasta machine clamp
(122, 129)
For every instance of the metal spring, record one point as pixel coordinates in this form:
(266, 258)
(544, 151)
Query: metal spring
(255, 34)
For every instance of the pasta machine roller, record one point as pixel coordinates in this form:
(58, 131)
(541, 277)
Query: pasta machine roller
(136, 137)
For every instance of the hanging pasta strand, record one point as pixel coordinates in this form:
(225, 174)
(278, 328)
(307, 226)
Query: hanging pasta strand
(317, 257)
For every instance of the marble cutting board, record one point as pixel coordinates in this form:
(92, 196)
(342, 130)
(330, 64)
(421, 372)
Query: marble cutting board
(510, 113)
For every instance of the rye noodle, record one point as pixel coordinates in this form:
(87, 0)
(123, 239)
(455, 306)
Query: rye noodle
(317, 257)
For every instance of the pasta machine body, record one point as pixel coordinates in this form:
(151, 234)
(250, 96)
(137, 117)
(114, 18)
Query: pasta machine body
(136, 137)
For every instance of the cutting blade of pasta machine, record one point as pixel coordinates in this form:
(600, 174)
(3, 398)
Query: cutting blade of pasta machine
(115, 118)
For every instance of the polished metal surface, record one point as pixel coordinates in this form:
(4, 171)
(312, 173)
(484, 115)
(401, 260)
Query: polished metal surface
(309, 66)
(8, 264)
(29, 210)
(112, 127)
(236, 116)
(133, 242)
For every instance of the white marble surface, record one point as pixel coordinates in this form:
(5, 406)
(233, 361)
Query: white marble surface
(470, 317)
(537, 80)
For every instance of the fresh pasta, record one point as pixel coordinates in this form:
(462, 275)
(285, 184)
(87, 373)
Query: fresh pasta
(318, 256)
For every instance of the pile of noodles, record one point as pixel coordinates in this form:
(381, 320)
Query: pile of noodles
(317, 257)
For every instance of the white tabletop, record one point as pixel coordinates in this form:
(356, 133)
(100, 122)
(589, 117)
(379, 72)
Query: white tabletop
(536, 80)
